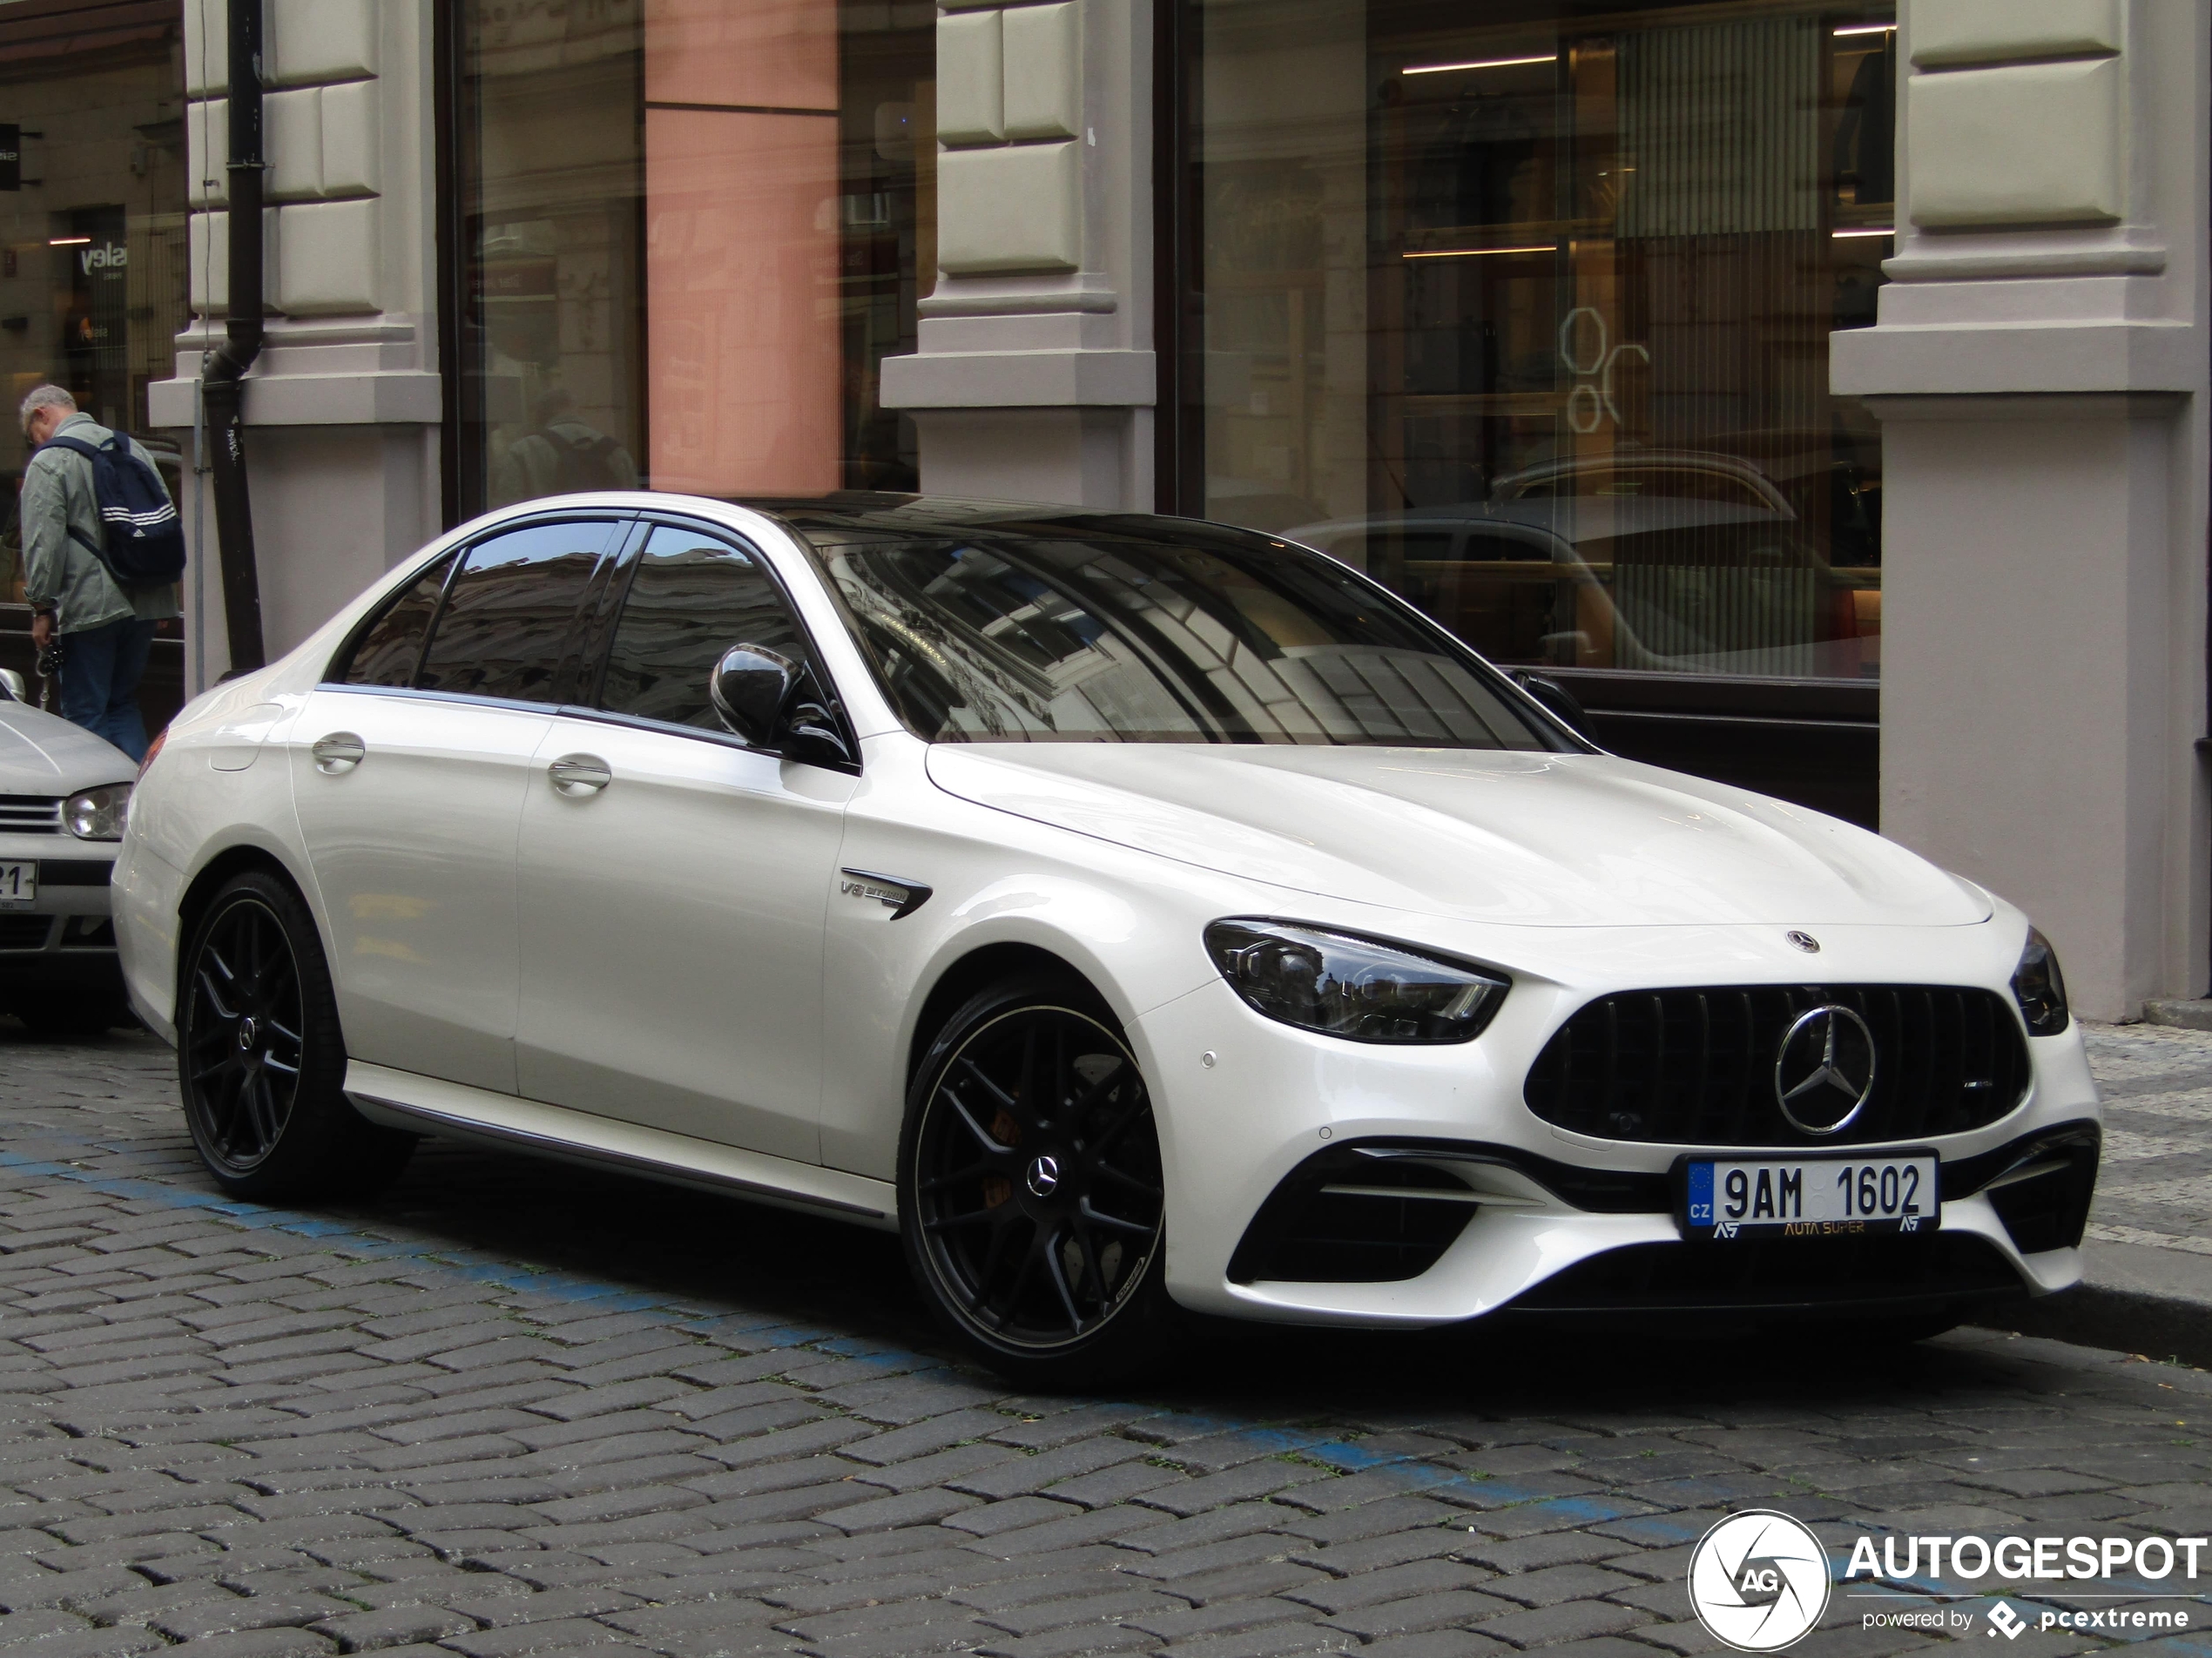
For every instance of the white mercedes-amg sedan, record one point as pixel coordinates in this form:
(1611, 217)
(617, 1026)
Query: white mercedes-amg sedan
(1138, 914)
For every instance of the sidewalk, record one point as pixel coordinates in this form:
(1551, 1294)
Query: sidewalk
(2148, 1285)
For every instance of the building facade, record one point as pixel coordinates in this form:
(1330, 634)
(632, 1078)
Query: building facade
(1816, 391)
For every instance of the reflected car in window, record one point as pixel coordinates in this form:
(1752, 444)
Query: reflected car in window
(1669, 561)
(1142, 917)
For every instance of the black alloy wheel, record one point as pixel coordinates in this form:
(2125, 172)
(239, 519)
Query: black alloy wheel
(242, 1064)
(1031, 1190)
(261, 1061)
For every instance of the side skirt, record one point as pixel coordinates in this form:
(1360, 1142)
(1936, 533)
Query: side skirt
(426, 1105)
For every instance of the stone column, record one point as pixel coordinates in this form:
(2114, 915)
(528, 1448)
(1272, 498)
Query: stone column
(2039, 366)
(1035, 376)
(343, 405)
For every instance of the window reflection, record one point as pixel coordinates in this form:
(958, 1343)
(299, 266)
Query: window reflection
(1525, 310)
(509, 613)
(1216, 638)
(690, 600)
(690, 231)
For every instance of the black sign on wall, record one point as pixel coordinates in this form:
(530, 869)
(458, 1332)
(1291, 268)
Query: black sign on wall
(10, 156)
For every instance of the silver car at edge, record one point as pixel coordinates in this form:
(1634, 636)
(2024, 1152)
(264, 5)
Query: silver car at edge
(64, 796)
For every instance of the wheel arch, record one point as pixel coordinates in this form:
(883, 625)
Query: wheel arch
(208, 880)
(982, 966)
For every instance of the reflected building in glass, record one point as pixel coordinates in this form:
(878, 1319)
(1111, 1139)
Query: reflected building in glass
(1525, 310)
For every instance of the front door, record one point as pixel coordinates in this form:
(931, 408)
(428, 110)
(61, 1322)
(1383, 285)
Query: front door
(673, 883)
(408, 772)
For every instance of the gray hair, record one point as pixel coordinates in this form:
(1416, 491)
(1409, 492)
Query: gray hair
(44, 397)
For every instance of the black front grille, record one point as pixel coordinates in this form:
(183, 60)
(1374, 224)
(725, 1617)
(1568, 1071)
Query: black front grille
(1775, 1275)
(30, 814)
(24, 932)
(1695, 1066)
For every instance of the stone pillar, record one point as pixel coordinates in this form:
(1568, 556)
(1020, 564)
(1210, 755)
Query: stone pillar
(344, 402)
(2039, 366)
(1035, 376)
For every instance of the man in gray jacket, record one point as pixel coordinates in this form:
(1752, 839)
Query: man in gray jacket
(106, 628)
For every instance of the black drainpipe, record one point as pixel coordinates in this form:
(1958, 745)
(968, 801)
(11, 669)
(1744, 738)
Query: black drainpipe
(220, 380)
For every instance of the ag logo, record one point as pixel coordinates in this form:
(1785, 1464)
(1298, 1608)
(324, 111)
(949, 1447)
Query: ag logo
(1759, 1580)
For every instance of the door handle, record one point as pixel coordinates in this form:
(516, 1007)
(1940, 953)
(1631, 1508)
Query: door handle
(338, 753)
(580, 774)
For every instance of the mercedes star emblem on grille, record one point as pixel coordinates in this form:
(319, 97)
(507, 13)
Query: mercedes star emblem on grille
(1825, 1072)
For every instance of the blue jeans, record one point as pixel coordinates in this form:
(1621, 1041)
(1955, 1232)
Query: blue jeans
(101, 668)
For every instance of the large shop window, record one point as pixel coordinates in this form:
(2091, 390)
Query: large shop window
(92, 240)
(1524, 309)
(688, 233)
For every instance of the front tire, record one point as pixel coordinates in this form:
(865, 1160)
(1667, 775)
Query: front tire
(261, 1059)
(1030, 1191)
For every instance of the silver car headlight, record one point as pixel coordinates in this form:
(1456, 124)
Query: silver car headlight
(1361, 990)
(98, 814)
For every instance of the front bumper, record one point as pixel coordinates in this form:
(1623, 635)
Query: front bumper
(66, 937)
(1246, 1107)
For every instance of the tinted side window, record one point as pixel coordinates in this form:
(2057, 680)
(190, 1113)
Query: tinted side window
(506, 622)
(387, 653)
(691, 599)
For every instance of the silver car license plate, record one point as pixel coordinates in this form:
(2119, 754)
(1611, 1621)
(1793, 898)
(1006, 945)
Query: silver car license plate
(1741, 1197)
(18, 886)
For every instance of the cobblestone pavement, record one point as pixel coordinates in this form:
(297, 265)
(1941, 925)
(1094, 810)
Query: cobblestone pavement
(513, 1408)
(2156, 1187)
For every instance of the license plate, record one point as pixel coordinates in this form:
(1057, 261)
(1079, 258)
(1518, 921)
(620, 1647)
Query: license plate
(18, 886)
(1739, 1198)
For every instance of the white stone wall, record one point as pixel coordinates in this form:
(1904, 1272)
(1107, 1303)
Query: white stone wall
(2040, 368)
(344, 402)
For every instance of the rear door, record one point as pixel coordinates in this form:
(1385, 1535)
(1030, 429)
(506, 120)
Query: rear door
(408, 771)
(673, 882)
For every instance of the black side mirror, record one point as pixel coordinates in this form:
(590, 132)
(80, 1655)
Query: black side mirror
(1557, 701)
(749, 687)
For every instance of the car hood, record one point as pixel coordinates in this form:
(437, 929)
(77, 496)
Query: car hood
(44, 754)
(1513, 839)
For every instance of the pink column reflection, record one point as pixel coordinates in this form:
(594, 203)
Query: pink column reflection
(745, 360)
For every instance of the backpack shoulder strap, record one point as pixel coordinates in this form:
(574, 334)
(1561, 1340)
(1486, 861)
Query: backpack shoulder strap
(89, 451)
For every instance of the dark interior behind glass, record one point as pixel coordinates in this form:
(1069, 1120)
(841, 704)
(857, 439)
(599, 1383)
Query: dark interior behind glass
(1210, 638)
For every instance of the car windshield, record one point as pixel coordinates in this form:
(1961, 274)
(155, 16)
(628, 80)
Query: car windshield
(1214, 637)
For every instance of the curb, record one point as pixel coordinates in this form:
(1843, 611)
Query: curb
(2132, 1298)
(2186, 1014)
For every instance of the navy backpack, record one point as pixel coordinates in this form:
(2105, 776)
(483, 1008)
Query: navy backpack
(145, 539)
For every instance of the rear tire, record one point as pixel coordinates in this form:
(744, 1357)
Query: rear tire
(1030, 1192)
(261, 1059)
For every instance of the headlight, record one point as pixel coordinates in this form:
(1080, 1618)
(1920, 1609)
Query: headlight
(98, 814)
(1353, 987)
(2039, 988)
